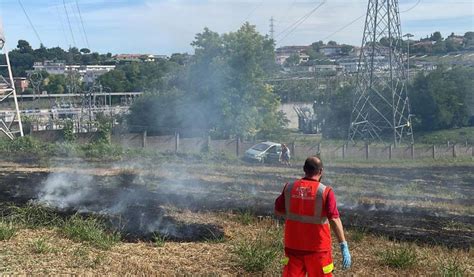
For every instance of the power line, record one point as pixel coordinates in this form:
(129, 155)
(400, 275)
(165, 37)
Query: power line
(414, 6)
(253, 10)
(82, 24)
(69, 23)
(358, 18)
(300, 21)
(62, 25)
(29, 20)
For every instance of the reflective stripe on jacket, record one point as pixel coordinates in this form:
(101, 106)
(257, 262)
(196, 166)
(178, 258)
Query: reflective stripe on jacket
(306, 225)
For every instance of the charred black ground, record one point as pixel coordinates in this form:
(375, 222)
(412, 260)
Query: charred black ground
(137, 205)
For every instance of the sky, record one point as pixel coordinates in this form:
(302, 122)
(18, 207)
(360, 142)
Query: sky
(169, 26)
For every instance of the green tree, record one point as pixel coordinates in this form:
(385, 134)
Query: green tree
(292, 60)
(441, 99)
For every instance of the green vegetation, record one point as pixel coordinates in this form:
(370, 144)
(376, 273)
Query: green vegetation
(442, 99)
(245, 217)
(84, 258)
(159, 240)
(452, 268)
(33, 216)
(221, 92)
(458, 135)
(41, 246)
(7, 230)
(89, 230)
(402, 257)
(258, 254)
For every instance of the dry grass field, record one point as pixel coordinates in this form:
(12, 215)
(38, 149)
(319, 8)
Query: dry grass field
(181, 217)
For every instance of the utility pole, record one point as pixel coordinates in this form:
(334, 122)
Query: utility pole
(381, 109)
(408, 36)
(272, 28)
(7, 90)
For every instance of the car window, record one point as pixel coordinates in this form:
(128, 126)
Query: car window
(260, 147)
(272, 149)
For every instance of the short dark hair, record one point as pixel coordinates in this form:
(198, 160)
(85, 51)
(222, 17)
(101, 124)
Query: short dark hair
(313, 165)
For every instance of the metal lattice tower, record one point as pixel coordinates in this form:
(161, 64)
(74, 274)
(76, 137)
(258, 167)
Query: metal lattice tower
(272, 28)
(10, 122)
(381, 109)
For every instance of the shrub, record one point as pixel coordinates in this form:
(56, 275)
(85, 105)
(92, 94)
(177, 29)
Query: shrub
(90, 230)
(452, 268)
(7, 230)
(400, 257)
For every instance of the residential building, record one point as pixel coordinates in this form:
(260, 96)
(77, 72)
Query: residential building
(283, 53)
(21, 84)
(134, 58)
(88, 73)
(331, 50)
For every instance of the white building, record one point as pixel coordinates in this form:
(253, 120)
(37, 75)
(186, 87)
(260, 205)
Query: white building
(88, 73)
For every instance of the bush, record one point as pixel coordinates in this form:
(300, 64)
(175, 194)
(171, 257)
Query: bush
(255, 255)
(90, 230)
(25, 145)
(400, 257)
(7, 231)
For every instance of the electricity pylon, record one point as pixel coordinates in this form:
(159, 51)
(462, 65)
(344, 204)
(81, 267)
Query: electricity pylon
(381, 110)
(7, 90)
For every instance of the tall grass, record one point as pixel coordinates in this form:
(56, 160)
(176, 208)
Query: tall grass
(90, 230)
(7, 230)
(401, 257)
(259, 253)
(34, 216)
(452, 268)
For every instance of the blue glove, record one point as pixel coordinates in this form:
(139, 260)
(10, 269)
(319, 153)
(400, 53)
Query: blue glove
(346, 256)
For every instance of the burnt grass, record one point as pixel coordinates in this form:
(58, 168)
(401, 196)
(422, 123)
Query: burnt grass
(136, 205)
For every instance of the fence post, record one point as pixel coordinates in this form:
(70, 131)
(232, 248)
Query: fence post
(144, 139)
(319, 149)
(176, 142)
(292, 150)
(448, 143)
(343, 151)
(237, 146)
(208, 143)
(454, 150)
(390, 152)
(433, 152)
(412, 151)
(366, 151)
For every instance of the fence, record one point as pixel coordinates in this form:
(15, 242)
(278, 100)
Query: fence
(329, 152)
(235, 147)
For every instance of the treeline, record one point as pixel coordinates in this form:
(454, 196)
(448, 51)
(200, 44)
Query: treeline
(24, 56)
(441, 99)
(436, 44)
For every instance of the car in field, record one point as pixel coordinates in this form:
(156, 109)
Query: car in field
(264, 152)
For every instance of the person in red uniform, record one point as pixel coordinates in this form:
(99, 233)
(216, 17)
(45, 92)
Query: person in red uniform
(310, 211)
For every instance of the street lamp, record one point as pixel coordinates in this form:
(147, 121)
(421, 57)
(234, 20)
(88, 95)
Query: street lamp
(408, 36)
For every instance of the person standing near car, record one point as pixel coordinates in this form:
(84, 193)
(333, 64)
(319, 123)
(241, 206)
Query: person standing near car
(285, 155)
(310, 211)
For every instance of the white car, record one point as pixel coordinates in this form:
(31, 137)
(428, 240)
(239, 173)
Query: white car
(264, 152)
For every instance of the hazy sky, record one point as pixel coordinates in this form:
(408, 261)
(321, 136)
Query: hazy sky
(168, 26)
